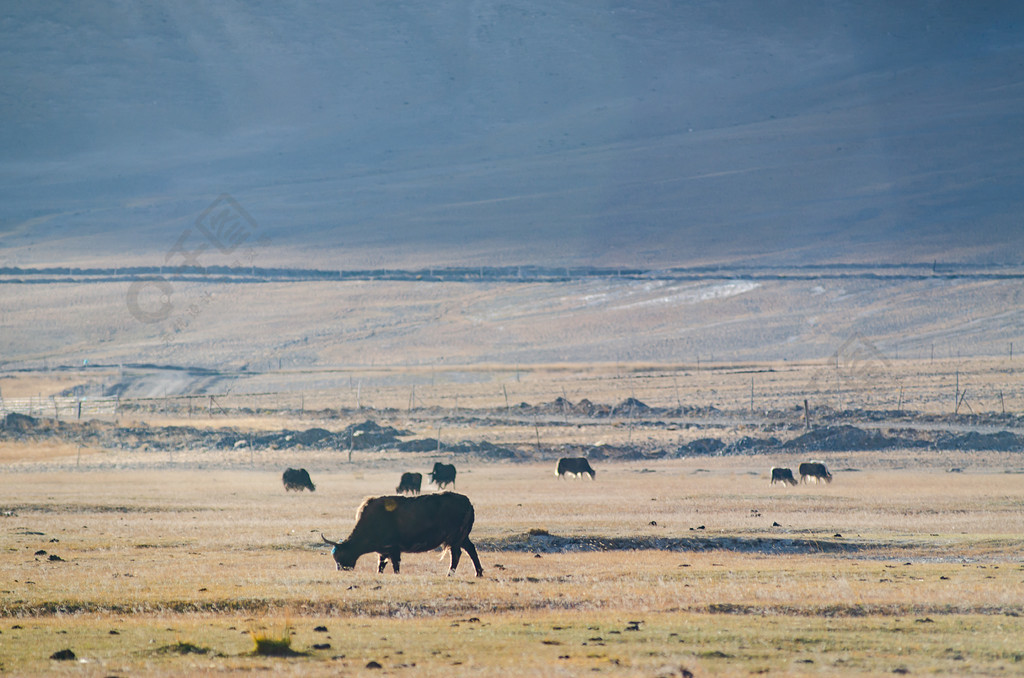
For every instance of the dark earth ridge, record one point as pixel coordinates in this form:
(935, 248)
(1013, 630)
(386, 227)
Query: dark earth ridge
(369, 435)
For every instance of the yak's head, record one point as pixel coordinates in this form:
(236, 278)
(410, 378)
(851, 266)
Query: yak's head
(344, 557)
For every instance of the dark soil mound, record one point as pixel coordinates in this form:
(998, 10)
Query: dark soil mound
(629, 407)
(418, 445)
(484, 449)
(311, 436)
(701, 447)
(844, 438)
(369, 434)
(748, 445)
(589, 409)
(1003, 441)
(19, 423)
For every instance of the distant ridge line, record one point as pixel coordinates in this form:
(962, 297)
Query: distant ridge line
(525, 274)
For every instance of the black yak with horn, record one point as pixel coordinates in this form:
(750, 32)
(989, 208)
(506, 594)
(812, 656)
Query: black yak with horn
(394, 525)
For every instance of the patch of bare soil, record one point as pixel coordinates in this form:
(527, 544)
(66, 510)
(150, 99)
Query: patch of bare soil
(784, 543)
(540, 541)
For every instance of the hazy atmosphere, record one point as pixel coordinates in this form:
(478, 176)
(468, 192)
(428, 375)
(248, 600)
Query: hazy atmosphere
(645, 134)
(679, 181)
(775, 179)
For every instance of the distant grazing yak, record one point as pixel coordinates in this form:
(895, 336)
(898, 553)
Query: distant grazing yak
(783, 475)
(816, 470)
(394, 525)
(410, 483)
(297, 479)
(443, 474)
(574, 465)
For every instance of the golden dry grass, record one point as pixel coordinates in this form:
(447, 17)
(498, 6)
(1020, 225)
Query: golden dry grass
(895, 565)
(204, 558)
(292, 397)
(542, 644)
(11, 452)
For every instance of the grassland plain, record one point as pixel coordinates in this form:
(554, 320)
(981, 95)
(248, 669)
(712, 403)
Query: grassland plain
(169, 561)
(646, 570)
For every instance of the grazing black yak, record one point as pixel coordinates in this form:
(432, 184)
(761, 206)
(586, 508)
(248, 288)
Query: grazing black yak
(574, 465)
(443, 474)
(783, 475)
(391, 526)
(297, 479)
(816, 470)
(410, 483)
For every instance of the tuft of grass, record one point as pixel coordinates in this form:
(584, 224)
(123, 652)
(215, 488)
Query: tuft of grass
(266, 644)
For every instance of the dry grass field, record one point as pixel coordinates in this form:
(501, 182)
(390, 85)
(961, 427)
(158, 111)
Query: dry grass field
(145, 562)
(688, 244)
(171, 561)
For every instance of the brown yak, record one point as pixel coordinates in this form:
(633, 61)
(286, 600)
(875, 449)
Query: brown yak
(816, 470)
(297, 479)
(410, 482)
(782, 475)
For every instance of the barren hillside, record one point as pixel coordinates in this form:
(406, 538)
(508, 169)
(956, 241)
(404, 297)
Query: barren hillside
(388, 135)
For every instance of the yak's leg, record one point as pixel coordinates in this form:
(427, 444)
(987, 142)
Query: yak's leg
(471, 550)
(382, 562)
(456, 555)
(396, 559)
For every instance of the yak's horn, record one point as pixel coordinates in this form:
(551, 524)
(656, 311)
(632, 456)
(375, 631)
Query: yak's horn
(332, 543)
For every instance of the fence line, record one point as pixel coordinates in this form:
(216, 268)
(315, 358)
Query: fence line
(753, 389)
(59, 406)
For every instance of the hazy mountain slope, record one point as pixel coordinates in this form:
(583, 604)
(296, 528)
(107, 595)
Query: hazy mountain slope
(272, 326)
(636, 133)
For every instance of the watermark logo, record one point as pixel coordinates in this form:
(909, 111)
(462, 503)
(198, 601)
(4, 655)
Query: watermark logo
(149, 301)
(226, 226)
(857, 366)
